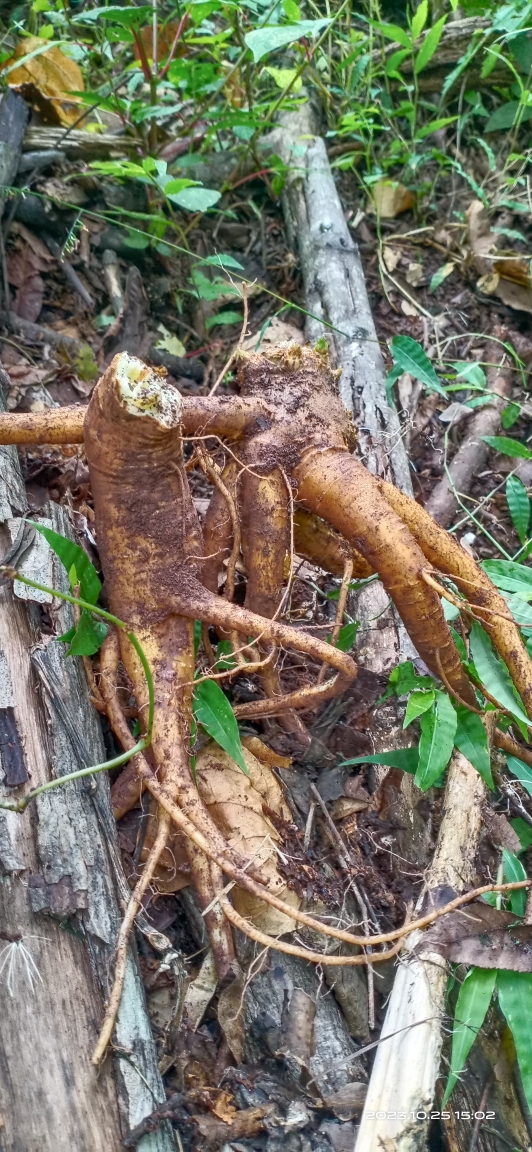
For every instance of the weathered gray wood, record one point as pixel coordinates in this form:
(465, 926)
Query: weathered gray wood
(335, 290)
(58, 897)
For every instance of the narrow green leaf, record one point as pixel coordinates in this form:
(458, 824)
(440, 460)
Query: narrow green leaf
(418, 703)
(271, 38)
(519, 505)
(505, 116)
(411, 358)
(406, 759)
(473, 373)
(438, 730)
(514, 871)
(434, 126)
(346, 636)
(396, 33)
(515, 1000)
(404, 679)
(221, 318)
(524, 831)
(395, 61)
(472, 741)
(494, 674)
(508, 446)
(429, 45)
(474, 999)
(510, 414)
(521, 771)
(510, 576)
(440, 275)
(213, 711)
(71, 554)
(419, 19)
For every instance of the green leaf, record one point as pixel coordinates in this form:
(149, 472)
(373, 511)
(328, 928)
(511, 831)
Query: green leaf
(395, 60)
(511, 576)
(505, 116)
(213, 711)
(450, 611)
(440, 275)
(411, 358)
(472, 741)
(406, 759)
(396, 33)
(195, 199)
(224, 656)
(524, 831)
(71, 554)
(515, 1001)
(472, 373)
(510, 414)
(434, 126)
(346, 636)
(521, 771)
(438, 730)
(87, 638)
(291, 10)
(220, 261)
(404, 679)
(473, 1001)
(429, 45)
(223, 318)
(419, 19)
(115, 14)
(268, 39)
(519, 505)
(493, 673)
(284, 76)
(418, 703)
(513, 872)
(508, 446)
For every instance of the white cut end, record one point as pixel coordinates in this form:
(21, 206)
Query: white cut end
(144, 392)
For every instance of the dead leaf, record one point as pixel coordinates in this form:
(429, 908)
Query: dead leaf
(36, 244)
(298, 1041)
(455, 412)
(500, 831)
(408, 309)
(347, 1103)
(169, 342)
(345, 807)
(247, 1122)
(200, 993)
(415, 274)
(278, 332)
(481, 935)
(507, 278)
(231, 1016)
(224, 1107)
(388, 198)
(237, 804)
(391, 257)
(24, 266)
(45, 80)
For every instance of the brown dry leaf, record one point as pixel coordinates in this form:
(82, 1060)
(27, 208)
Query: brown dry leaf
(500, 831)
(415, 274)
(35, 243)
(235, 802)
(224, 1107)
(348, 1102)
(246, 1123)
(388, 198)
(508, 279)
(200, 993)
(231, 1018)
(278, 332)
(481, 935)
(391, 257)
(23, 266)
(298, 1041)
(45, 80)
(408, 308)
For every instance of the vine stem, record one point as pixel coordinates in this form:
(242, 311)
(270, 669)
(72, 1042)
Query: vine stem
(20, 805)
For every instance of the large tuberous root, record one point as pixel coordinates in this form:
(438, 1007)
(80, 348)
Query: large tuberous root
(286, 439)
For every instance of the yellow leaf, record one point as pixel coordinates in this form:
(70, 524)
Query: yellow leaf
(45, 81)
(284, 76)
(388, 198)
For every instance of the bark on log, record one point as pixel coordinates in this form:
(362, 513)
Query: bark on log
(406, 1066)
(473, 451)
(58, 892)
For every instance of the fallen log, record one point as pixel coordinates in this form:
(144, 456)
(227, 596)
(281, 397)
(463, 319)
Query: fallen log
(60, 889)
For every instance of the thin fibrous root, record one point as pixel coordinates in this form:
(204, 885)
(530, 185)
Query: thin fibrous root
(126, 926)
(340, 609)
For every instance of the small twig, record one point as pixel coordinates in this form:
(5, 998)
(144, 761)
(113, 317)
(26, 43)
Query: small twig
(340, 609)
(237, 348)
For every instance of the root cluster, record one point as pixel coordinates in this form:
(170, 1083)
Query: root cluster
(280, 458)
